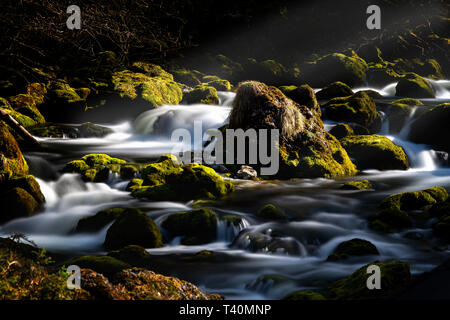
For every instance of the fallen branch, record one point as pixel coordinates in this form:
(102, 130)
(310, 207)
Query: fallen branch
(18, 128)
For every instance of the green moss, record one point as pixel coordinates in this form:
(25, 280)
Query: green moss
(197, 226)
(408, 101)
(62, 93)
(375, 152)
(54, 130)
(357, 185)
(134, 184)
(191, 78)
(270, 212)
(415, 200)
(106, 265)
(390, 220)
(333, 90)
(342, 130)
(25, 104)
(101, 159)
(133, 227)
(218, 83)
(154, 90)
(414, 86)
(394, 276)
(76, 166)
(152, 70)
(27, 183)
(99, 220)
(304, 295)
(303, 95)
(13, 162)
(132, 254)
(358, 108)
(351, 248)
(232, 220)
(203, 94)
(89, 130)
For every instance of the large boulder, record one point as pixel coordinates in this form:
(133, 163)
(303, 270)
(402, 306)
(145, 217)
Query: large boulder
(358, 108)
(395, 275)
(133, 227)
(305, 148)
(432, 128)
(414, 86)
(333, 90)
(12, 161)
(99, 220)
(375, 152)
(203, 94)
(353, 248)
(197, 226)
(303, 95)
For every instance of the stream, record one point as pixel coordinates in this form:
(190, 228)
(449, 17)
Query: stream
(321, 215)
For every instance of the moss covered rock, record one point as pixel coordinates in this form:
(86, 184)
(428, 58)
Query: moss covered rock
(95, 167)
(132, 254)
(357, 185)
(133, 227)
(53, 130)
(106, 265)
(303, 95)
(358, 108)
(17, 203)
(197, 226)
(270, 212)
(62, 101)
(306, 150)
(342, 130)
(191, 78)
(12, 161)
(395, 275)
(27, 183)
(337, 67)
(390, 220)
(25, 104)
(375, 152)
(352, 248)
(203, 94)
(98, 221)
(432, 128)
(333, 90)
(218, 83)
(414, 86)
(304, 295)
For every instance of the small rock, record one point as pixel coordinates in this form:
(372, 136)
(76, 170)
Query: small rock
(247, 173)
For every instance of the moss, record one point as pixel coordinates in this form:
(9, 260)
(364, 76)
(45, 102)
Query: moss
(98, 221)
(83, 92)
(27, 183)
(12, 158)
(133, 227)
(54, 130)
(232, 220)
(156, 91)
(394, 276)
(351, 248)
(25, 104)
(128, 172)
(390, 220)
(62, 93)
(375, 152)
(192, 78)
(132, 254)
(333, 90)
(358, 108)
(414, 86)
(415, 200)
(89, 130)
(270, 212)
(197, 226)
(201, 94)
(23, 120)
(216, 82)
(17, 203)
(106, 265)
(398, 115)
(304, 295)
(342, 130)
(357, 185)
(155, 173)
(134, 184)
(159, 192)
(152, 70)
(408, 101)
(76, 166)
(101, 160)
(303, 95)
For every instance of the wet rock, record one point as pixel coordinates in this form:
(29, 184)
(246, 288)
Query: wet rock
(395, 275)
(218, 83)
(333, 90)
(352, 248)
(375, 152)
(132, 254)
(90, 130)
(270, 212)
(191, 78)
(259, 242)
(442, 157)
(17, 203)
(247, 173)
(432, 128)
(303, 95)
(12, 161)
(98, 221)
(133, 227)
(53, 130)
(358, 108)
(128, 172)
(414, 86)
(306, 149)
(357, 185)
(105, 265)
(197, 226)
(94, 167)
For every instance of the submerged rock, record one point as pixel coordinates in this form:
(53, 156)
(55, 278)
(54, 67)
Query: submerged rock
(395, 275)
(106, 265)
(352, 248)
(306, 150)
(197, 226)
(99, 220)
(133, 227)
(375, 152)
(432, 128)
(304, 295)
(357, 185)
(414, 86)
(270, 212)
(358, 108)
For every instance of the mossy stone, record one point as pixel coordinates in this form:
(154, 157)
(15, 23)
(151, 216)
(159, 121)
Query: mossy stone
(99, 220)
(352, 248)
(342, 130)
(304, 295)
(105, 265)
(133, 227)
(203, 94)
(101, 160)
(414, 86)
(12, 158)
(333, 90)
(17, 203)
(132, 254)
(270, 212)
(357, 185)
(197, 226)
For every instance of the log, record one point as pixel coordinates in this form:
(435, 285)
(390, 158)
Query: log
(18, 128)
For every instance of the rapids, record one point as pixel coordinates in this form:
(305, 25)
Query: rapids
(256, 259)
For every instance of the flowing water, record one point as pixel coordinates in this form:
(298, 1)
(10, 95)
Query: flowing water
(256, 259)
